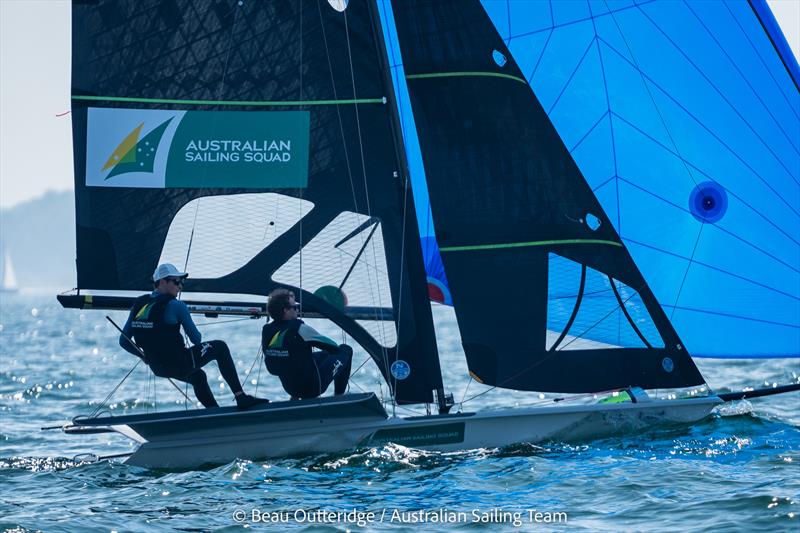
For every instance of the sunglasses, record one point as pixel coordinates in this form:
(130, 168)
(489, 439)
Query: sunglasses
(176, 281)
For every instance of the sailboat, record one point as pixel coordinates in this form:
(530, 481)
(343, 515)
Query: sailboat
(9, 279)
(263, 145)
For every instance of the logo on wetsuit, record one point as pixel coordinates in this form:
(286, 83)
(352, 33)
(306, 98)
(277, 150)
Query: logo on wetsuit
(142, 318)
(275, 347)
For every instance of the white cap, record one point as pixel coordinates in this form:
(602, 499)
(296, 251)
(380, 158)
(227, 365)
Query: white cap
(166, 270)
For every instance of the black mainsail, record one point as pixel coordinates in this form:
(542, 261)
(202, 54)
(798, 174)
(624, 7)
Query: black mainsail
(255, 144)
(508, 200)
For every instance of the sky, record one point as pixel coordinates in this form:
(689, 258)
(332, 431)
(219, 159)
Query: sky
(35, 127)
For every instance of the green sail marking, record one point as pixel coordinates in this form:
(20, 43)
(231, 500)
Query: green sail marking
(228, 102)
(465, 75)
(527, 244)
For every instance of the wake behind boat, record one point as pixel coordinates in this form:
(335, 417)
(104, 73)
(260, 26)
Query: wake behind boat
(546, 292)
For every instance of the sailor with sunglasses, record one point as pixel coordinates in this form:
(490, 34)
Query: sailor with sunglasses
(306, 361)
(155, 323)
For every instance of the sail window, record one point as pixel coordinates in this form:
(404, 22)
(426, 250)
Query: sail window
(584, 311)
(345, 264)
(499, 58)
(339, 5)
(213, 236)
(592, 222)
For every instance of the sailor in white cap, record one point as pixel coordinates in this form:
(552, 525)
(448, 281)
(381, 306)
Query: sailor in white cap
(155, 324)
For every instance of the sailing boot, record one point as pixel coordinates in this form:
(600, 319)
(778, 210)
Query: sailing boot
(245, 401)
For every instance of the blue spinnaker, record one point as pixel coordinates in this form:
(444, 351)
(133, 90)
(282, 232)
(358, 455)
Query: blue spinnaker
(684, 118)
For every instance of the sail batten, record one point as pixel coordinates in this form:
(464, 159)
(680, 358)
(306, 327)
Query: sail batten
(253, 103)
(526, 244)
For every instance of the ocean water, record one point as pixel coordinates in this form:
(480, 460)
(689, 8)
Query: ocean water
(737, 470)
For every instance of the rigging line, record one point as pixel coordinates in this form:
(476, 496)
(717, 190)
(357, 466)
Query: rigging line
(722, 95)
(406, 186)
(366, 195)
(341, 131)
(250, 370)
(628, 316)
(338, 110)
(466, 389)
(736, 155)
(205, 170)
(258, 380)
(147, 391)
(479, 394)
(340, 121)
(647, 88)
(255, 360)
(223, 322)
(584, 332)
(360, 366)
(110, 394)
(570, 296)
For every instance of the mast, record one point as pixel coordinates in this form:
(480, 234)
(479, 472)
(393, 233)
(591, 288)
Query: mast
(416, 293)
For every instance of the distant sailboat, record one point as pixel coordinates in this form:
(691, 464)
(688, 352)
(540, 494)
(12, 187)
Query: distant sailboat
(7, 275)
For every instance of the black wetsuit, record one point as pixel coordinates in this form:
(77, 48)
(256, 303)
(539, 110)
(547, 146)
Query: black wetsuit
(166, 353)
(304, 373)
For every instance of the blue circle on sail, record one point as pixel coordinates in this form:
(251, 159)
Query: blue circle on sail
(708, 202)
(400, 370)
(667, 364)
(499, 58)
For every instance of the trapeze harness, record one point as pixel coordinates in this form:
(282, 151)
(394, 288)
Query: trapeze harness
(162, 343)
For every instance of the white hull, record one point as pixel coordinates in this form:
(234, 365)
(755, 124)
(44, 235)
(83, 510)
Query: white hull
(223, 437)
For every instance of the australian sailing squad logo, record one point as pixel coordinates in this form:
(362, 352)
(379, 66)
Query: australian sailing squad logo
(134, 155)
(146, 148)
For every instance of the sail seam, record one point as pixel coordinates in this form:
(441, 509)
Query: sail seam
(527, 244)
(464, 75)
(266, 103)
